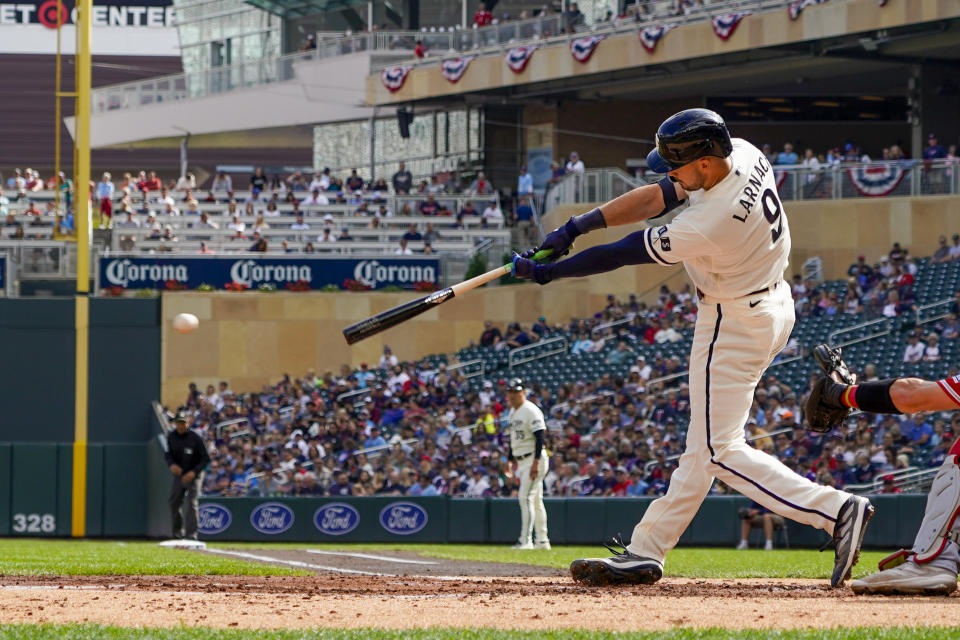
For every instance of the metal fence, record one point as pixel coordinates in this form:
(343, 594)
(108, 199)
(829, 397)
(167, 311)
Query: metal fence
(41, 258)
(794, 182)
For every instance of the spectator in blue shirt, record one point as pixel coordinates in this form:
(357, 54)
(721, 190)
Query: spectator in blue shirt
(423, 487)
(375, 439)
(523, 217)
(394, 414)
(412, 235)
(788, 155)
(364, 376)
(341, 486)
(637, 486)
(919, 434)
(934, 150)
(524, 182)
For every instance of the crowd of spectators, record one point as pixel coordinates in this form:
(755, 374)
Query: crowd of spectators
(419, 428)
(850, 152)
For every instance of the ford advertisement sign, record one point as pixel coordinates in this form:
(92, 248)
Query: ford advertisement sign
(271, 518)
(299, 272)
(336, 518)
(213, 518)
(403, 518)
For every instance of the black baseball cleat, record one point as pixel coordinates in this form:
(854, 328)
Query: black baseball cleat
(848, 536)
(623, 568)
(830, 362)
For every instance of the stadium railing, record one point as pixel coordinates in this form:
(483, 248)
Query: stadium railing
(536, 351)
(42, 258)
(548, 29)
(594, 185)
(395, 204)
(794, 182)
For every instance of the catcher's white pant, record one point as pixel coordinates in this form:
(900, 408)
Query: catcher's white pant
(533, 515)
(734, 342)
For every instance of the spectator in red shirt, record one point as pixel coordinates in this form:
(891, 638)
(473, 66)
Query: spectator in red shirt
(420, 50)
(889, 486)
(152, 182)
(482, 17)
(623, 482)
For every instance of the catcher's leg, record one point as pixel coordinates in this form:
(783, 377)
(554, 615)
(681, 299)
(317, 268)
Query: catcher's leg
(931, 566)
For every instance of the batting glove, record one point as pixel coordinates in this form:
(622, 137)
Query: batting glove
(561, 238)
(530, 270)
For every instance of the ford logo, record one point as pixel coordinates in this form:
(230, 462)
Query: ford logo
(403, 518)
(336, 518)
(213, 518)
(271, 518)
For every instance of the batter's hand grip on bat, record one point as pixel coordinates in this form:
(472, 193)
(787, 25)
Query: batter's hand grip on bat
(537, 257)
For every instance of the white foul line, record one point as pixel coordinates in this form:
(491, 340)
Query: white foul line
(368, 556)
(320, 567)
(294, 563)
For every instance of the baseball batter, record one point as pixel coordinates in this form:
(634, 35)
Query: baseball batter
(931, 566)
(527, 437)
(734, 241)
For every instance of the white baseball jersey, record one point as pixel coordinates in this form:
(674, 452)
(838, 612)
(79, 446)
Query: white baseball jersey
(524, 422)
(733, 239)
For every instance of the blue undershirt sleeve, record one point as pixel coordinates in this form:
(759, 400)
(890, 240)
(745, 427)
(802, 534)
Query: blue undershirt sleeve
(629, 250)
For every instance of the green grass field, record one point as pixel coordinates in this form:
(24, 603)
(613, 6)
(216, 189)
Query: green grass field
(97, 632)
(24, 556)
(21, 556)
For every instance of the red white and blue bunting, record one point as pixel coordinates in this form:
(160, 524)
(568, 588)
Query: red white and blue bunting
(582, 48)
(394, 77)
(794, 9)
(724, 25)
(518, 57)
(454, 69)
(650, 36)
(877, 179)
(780, 177)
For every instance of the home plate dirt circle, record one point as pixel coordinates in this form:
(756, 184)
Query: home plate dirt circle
(405, 590)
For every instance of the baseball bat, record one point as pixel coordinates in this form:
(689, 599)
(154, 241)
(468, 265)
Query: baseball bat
(401, 313)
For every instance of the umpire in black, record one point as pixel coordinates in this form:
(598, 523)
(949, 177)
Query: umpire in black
(187, 457)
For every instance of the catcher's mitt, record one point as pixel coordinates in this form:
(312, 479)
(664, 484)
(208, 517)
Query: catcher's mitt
(831, 363)
(822, 414)
(823, 409)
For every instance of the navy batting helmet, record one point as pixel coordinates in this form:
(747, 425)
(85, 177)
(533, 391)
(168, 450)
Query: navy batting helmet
(686, 136)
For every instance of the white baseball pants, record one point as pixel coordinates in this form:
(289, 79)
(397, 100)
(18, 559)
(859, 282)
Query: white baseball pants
(533, 515)
(734, 342)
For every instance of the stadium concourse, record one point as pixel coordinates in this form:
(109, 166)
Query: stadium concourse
(612, 387)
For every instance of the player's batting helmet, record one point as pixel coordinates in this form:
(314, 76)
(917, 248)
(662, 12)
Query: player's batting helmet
(686, 136)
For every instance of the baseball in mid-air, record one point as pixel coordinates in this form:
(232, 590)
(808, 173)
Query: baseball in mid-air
(185, 322)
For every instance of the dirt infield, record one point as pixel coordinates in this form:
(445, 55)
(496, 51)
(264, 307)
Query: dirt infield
(448, 594)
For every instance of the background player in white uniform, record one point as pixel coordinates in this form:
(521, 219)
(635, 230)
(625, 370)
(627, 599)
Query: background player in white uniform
(527, 443)
(734, 241)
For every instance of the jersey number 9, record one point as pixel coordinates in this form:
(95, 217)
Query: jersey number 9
(771, 211)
